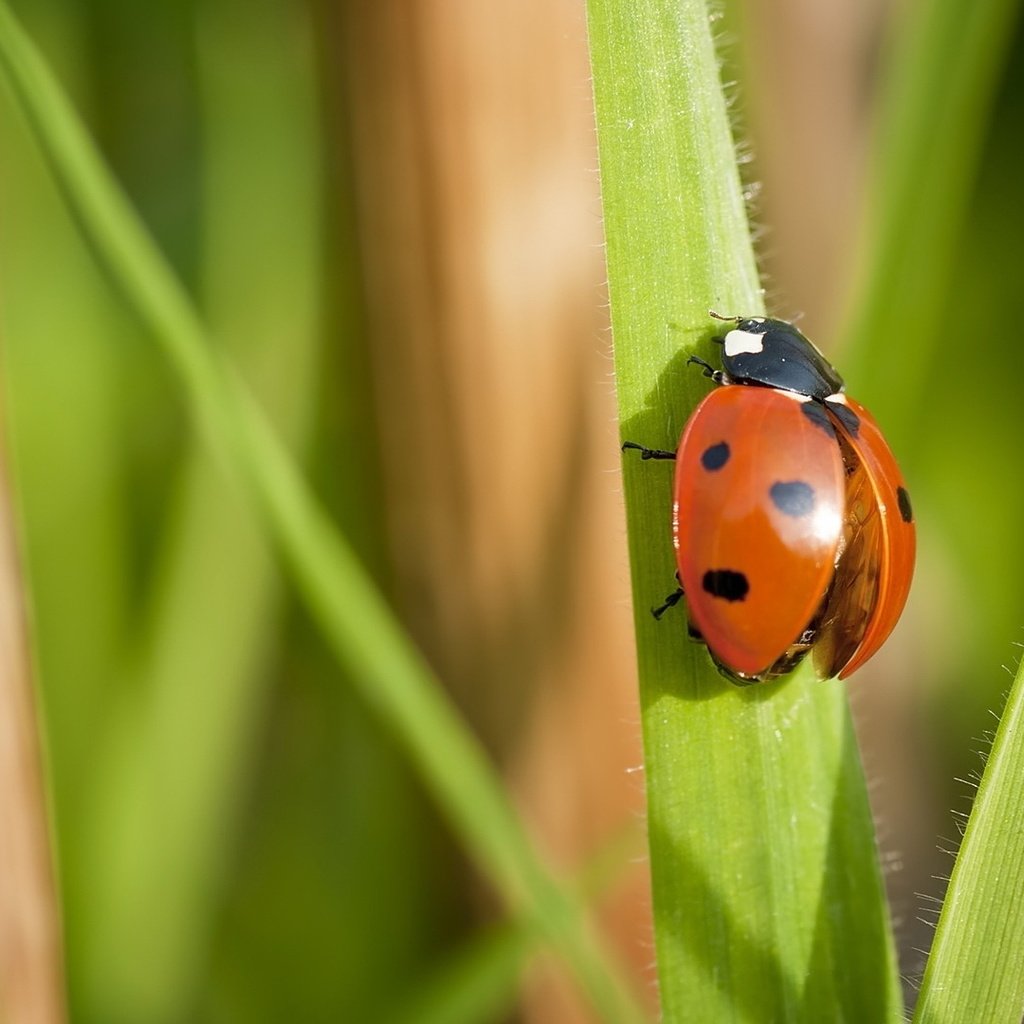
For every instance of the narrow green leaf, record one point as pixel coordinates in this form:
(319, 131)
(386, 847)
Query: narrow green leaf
(768, 900)
(173, 762)
(390, 673)
(976, 968)
(942, 68)
(476, 985)
(63, 417)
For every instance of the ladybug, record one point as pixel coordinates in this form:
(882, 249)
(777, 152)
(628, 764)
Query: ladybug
(792, 525)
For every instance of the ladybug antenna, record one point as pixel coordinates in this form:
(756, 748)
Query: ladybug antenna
(718, 316)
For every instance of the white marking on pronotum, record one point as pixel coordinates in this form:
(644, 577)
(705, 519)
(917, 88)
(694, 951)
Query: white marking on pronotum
(738, 342)
(839, 398)
(795, 395)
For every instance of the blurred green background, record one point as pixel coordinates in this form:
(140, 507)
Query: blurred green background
(388, 215)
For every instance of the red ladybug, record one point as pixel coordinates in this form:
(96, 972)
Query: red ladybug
(792, 525)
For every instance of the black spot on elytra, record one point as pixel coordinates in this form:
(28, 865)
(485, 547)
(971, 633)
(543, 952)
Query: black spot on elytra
(903, 500)
(846, 416)
(726, 583)
(716, 456)
(817, 415)
(793, 497)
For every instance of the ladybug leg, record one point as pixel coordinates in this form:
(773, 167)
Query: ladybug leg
(670, 602)
(732, 677)
(709, 371)
(648, 453)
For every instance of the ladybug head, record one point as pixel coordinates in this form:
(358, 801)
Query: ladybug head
(747, 332)
(759, 350)
(757, 324)
(753, 328)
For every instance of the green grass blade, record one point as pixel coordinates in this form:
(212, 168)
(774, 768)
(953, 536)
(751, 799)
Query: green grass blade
(476, 985)
(63, 414)
(390, 673)
(397, 682)
(943, 69)
(768, 900)
(210, 631)
(976, 968)
(478, 982)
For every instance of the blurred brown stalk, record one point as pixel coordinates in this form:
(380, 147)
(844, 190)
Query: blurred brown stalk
(479, 229)
(31, 970)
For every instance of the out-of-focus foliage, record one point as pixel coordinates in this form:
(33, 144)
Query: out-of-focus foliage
(165, 792)
(271, 880)
(294, 869)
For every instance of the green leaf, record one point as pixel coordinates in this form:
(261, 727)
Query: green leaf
(768, 900)
(390, 674)
(477, 984)
(64, 421)
(944, 62)
(157, 820)
(976, 967)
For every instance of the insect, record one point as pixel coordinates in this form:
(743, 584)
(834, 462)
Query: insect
(792, 524)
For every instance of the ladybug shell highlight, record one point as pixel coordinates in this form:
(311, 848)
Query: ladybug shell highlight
(792, 523)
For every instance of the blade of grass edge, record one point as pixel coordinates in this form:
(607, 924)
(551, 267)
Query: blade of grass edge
(357, 624)
(976, 967)
(768, 901)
